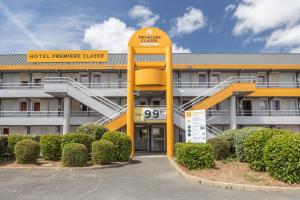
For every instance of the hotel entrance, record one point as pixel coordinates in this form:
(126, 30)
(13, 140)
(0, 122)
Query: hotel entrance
(150, 138)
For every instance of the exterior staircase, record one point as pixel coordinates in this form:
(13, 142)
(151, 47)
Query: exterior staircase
(65, 86)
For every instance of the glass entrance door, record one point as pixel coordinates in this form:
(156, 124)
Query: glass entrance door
(158, 138)
(141, 138)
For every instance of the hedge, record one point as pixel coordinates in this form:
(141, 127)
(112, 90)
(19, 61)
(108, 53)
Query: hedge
(13, 140)
(103, 152)
(27, 151)
(122, 145)
(255, 143)
(195, 156)
(229, 136)
(74, 155)
(50, 146)
(96, 130)
(239, 138)
(282, 157)
(221, 147)
(3, 147)
(80, 138)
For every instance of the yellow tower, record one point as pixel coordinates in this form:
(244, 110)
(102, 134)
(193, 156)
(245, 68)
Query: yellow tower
(157, 76)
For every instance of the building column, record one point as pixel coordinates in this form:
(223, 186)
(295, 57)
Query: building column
(169, 94)
(66, 121)
(130, 98)
(233, 112)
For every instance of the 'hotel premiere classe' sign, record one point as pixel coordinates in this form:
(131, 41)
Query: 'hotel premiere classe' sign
(68, 56)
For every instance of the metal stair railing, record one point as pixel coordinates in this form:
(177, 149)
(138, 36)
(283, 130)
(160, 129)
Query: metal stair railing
(217, 88)
(215, 131)
(106, 119)
(82, 89)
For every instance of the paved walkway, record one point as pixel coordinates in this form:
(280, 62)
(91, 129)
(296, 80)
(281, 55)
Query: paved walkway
(147, 178)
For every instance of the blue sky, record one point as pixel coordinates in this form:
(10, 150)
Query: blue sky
(205, 26)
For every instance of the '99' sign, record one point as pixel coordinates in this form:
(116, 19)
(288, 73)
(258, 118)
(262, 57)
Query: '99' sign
(154, 113)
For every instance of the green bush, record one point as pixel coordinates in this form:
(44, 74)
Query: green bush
(122, 145)
(195, 156)
(103, 152)
(13, 140)
(282, 157)
(221, 147)
(254, 145)
(3, 146)
(80, 138)
(239, 138)
(96, 130)
(74, 155)
(229, 136)
(51, 146)
(27, 151)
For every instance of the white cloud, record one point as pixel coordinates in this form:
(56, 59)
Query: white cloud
(193, 19)
(284, 37)
(143, 15)
(230, 8)
(295, 50)
(180, 49)
(112, 34)
(276, 22)
(259, 15)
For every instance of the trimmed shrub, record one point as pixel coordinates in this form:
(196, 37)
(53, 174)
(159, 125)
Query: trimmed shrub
(122, 145)
(221, 147)
(229, 136)
(3, 146)
(74, 155)
(80, 138)
(239, 138)
(27, 151)
(282, 157)
(13, 140)
(103, 152)
(195, 156)
(255, 143)
(51, 146)
(96, 130)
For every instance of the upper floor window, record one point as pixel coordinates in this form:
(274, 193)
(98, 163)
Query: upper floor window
(96, 79)
(37, 81)
(215, 79)
(23, 106)
(275, 105)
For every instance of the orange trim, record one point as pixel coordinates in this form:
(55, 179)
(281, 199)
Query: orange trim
(275, 92)
(124, 67)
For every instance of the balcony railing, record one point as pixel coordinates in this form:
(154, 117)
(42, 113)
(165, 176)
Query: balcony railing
(175, 85)
(255, 112)
(47, 113)
(41, 85)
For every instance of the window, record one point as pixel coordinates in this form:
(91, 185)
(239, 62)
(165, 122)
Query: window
(5, 131)
(84, 78)
(261, 80)
(275, 105)
(24, 83)
(37, 81)
(202, 79)
(215, 79)
(23, 106)
(36, 106)
(96, 79)
(156, 103)
(262, 105)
